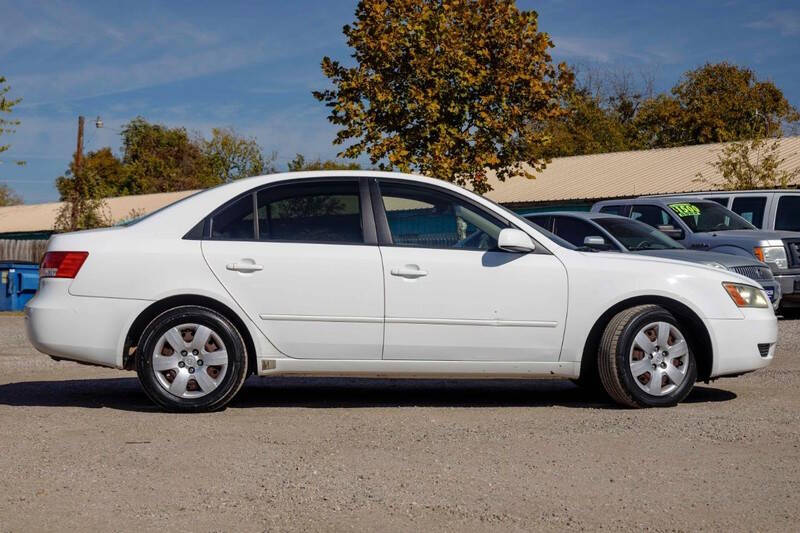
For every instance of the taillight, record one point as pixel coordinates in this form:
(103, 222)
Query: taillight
(62, 264)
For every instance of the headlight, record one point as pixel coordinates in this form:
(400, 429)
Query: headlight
(716, 265)
(746, 296)
(775, 255)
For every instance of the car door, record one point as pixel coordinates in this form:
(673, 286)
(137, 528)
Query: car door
(451, 294)
(301, 259)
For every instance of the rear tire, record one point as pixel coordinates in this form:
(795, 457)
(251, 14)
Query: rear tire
(644, 360)
(191, 359)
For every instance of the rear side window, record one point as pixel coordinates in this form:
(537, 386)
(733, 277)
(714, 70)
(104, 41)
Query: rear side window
(235, 222)
(311, 212)
(750, 208)
(788, 215)
(621, 210)
(543, 221)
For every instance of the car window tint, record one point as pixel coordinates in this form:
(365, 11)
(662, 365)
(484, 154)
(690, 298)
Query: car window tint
(234, 222)
(311, 212)
(721, 200)
(573, 230)
(788, 215)
(750, 208)
(419, 216)
(621, 210)
(543, 221)
(652, 215)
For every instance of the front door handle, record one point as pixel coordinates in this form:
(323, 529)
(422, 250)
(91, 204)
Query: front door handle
(408, 271)
(244, 267)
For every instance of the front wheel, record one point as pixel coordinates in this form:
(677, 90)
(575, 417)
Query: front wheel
(191, 359)
(645, 359)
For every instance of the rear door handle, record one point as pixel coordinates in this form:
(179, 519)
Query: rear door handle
(244, 267)
(408, 271)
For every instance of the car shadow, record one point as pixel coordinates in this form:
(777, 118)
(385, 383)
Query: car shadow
(324, 393)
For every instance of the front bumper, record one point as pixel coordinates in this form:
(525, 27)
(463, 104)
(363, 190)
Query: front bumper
(736, 342)
(85, 329)
(790, 284)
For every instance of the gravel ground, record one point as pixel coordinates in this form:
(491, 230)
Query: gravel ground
(83, 449)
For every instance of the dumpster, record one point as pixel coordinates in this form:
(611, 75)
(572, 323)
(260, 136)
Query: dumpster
(18, 284)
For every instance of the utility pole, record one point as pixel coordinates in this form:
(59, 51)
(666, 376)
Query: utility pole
(78, 191)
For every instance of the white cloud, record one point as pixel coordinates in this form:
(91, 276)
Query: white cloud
(787, 22)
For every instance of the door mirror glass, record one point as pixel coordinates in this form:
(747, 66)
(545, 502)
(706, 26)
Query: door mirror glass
(514, 240)
(671, 231)
(595, 242)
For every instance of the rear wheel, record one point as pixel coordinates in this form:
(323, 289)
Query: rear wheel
(191, 359)
(644, 358)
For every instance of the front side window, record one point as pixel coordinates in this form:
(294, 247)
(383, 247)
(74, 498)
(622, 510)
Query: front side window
(750, 208)
(708, 216)
(721, 200)
(423, 217)
(574, 231)
(311, 212)
(621, 210)
(788, 215)
(651, 215)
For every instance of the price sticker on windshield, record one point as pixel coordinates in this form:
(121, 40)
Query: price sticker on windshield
(685, 210)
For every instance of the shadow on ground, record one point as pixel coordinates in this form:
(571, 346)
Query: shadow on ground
(126, 394)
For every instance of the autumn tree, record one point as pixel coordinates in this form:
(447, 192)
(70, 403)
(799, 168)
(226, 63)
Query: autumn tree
(101, 165)
(300, 163)
(448, 88)
(8, 196)
(751, 164)
(233, 156)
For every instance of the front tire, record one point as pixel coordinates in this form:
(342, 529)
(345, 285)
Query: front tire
(644, 358)
(191, 359)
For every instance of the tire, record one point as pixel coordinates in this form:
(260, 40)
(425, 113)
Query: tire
(635, 369)
(200, 373)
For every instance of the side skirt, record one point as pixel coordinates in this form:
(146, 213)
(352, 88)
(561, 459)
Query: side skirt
(416, 369)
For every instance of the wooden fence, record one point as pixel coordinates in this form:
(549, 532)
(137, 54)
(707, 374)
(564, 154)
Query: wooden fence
(22, 250)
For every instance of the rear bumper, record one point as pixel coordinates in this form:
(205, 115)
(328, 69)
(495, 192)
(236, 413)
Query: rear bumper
(85, 329)
(736, 342)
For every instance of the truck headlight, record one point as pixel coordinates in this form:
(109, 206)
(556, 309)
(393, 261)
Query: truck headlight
(775, 255)
(746, 295)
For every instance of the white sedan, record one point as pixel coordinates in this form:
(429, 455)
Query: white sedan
(382, 274)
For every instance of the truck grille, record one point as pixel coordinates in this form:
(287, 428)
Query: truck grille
(754, 272)
(793, 249)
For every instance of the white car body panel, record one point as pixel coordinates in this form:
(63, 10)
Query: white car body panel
(472, 305)
(337, 310)
(313, 301)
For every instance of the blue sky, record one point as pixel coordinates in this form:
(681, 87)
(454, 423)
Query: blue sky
(252, 65)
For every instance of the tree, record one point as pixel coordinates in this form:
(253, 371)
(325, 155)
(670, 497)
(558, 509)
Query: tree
(104, 167)
(8, 196)
(751, 164)
(162, 159)
(233, 156)
(449, 88)
(299, 163)
(6, 106)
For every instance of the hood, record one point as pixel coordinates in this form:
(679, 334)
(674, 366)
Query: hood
(699, 256)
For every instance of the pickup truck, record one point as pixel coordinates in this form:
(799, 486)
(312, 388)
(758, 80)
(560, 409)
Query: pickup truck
(706, 225)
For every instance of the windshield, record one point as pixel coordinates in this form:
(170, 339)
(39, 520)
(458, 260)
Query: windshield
(636, 236)
(708, 216)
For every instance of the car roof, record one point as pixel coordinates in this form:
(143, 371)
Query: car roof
(661, 200)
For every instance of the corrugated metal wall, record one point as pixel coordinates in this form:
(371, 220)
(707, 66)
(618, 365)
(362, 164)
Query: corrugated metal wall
(22, 250)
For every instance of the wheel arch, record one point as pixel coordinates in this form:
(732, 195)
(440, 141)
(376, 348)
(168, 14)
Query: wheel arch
(156, 308)
(697, 332)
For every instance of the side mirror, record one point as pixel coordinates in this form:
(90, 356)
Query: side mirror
(595, 242)
(671, 231)
(515, 240)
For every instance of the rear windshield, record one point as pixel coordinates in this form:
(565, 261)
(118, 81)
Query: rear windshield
(708, 216)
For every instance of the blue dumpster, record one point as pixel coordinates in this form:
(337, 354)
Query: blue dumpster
(18, 284)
